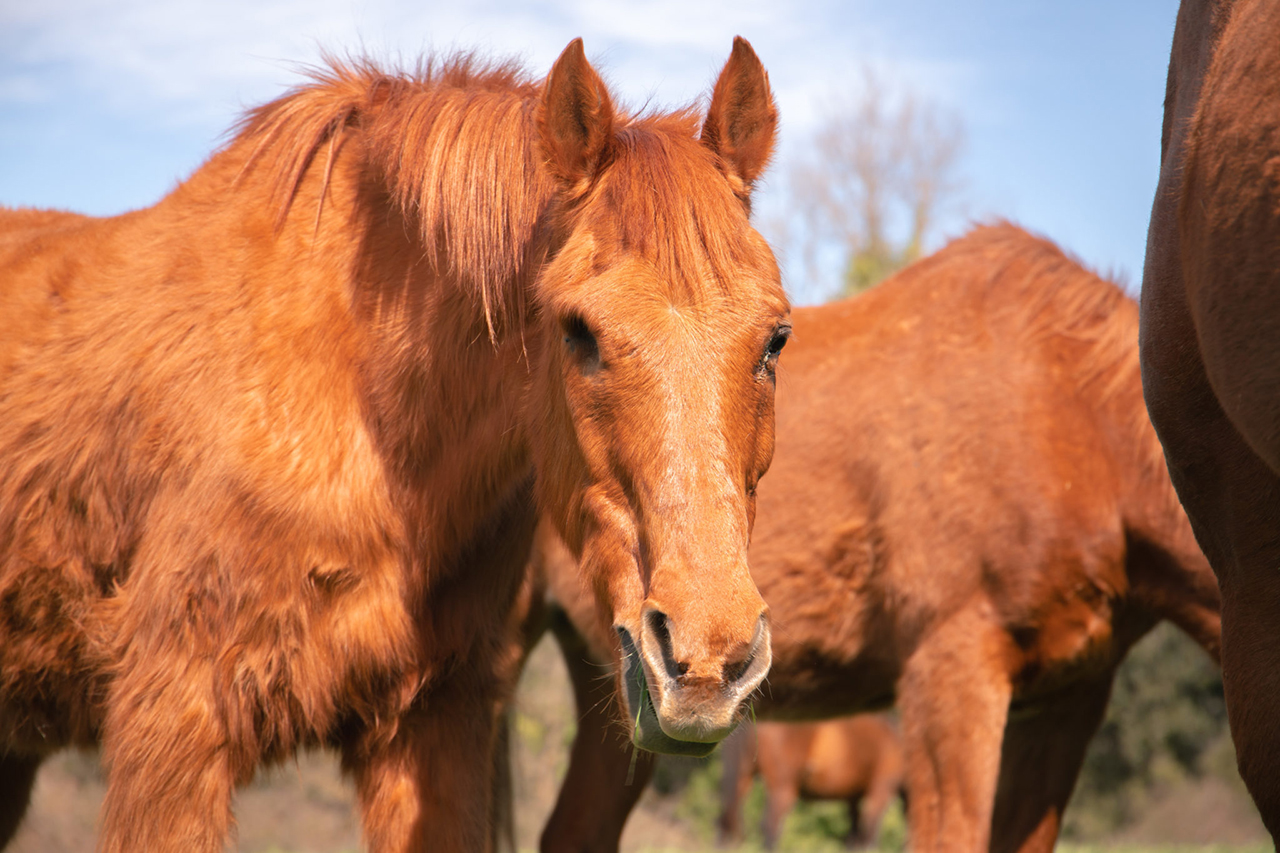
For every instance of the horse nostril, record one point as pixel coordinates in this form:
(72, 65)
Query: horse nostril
(734, 671)
(657, 623)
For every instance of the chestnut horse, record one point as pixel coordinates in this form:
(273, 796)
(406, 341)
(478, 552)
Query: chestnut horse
(857, 760)
(968, 515)
(1211, 343)
(267, 449)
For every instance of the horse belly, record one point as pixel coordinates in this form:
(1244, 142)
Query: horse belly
(1074, 640)
(840, 762)
(50, 675)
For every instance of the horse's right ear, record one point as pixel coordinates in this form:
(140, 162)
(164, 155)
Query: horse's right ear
(575, 118)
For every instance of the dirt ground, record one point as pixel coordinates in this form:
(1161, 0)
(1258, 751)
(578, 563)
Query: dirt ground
(306, 807)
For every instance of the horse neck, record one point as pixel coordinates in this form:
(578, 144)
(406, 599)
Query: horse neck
(428, 213)
(444, 376)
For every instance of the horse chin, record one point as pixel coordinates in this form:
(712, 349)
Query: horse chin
(646, 729)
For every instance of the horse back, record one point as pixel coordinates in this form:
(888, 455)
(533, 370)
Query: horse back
(992, 389)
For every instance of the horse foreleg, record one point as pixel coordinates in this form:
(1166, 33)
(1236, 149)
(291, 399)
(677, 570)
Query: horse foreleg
(738, 772)
(779, 799)
(954, 698)
(606, 773)
(857, 836)
(165, 751)
(875, 802)
(429, 787)
(17, 778)
(1041, 758)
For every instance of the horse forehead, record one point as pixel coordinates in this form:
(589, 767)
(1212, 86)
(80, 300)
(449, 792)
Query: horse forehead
(670, 325)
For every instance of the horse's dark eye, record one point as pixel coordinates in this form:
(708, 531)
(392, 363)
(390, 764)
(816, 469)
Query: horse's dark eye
(777, 341)
(578, 338)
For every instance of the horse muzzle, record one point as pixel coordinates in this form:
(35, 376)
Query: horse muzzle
(679, 707)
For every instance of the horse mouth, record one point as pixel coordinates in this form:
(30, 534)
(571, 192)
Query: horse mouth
(646, 730)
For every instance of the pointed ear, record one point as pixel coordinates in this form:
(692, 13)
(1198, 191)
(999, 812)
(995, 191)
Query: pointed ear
(575, 118)
(742, 120)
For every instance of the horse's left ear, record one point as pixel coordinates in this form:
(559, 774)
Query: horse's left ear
(742, 120)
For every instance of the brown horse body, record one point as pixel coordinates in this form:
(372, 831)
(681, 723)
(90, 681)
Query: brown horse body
(857, 760)
(267, 449)
(1211, 343)
(967, 515)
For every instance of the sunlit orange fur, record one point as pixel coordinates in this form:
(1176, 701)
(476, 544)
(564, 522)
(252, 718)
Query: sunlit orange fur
(967, 516)
(271, 450)
(857, 760)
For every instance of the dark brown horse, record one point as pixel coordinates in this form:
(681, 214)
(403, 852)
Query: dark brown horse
(1211, 343)
(968, 515)
(267, 449)
(857, 760)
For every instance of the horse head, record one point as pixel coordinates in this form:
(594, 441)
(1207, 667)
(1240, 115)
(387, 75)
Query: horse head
(663, 316)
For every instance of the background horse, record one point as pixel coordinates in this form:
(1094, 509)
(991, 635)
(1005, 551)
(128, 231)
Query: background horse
(857, 760)
(1211, 343)
(267, 449)
(967, 515)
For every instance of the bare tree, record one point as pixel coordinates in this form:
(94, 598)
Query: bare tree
(870, 189)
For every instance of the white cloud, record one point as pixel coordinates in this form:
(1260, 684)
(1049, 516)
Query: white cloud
(186, 61)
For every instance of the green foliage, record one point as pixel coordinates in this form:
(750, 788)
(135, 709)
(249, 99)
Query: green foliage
(1165, 724)
(873, 264)
(813, 827)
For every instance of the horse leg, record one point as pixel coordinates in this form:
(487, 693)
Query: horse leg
(1251, 676)
(856, 837)
(428, 787)
(428, 782)
(874, 804)
(779, 799)
(606, 774)
(953, 696)
(738, 756)
(17, 778)
(1041, 758)
(166, 754)
(781, 755)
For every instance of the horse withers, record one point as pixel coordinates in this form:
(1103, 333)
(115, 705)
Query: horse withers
(271, 451)
(1211, 343)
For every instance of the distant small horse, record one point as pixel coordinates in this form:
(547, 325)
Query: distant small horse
(968, 514)
(857, 760)
(267, 449)
(1211, 343)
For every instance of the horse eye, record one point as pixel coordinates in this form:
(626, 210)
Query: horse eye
(777, 341)
(578, 337)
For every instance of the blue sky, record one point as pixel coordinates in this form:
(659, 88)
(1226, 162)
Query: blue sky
(106, 104)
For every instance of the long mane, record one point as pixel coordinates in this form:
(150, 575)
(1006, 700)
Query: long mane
(454, 141)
